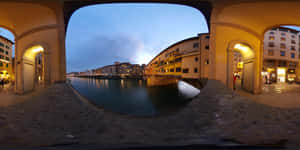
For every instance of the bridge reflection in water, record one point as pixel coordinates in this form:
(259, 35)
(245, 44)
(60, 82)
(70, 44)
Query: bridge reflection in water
(134, 97)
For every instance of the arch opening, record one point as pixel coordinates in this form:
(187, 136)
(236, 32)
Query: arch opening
(240, 67)
(33, 68)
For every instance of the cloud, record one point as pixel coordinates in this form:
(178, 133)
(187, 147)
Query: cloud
(100, 50)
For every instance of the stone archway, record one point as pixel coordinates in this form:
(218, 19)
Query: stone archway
(29, 67)
(248, 73)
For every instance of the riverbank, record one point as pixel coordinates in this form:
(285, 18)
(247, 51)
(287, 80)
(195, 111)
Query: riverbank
(56, 116)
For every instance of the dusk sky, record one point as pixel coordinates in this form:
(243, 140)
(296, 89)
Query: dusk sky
(99, 35)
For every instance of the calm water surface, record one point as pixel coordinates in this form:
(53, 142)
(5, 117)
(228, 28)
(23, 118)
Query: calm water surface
(130, 96)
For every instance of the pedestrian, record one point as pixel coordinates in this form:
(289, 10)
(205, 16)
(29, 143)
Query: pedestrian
(234, 78)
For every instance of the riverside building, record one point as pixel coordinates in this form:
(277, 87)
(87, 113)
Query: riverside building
(280, 55)
(186, 59)
(5, 58)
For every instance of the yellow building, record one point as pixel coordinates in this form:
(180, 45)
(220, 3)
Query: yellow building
(5, 58)
(185, 59)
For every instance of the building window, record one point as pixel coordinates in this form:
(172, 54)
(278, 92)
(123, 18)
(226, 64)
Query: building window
(271, 44)
(282, 45)
(207, 47)
(6, 65)
(271, 32)
(207, 37)
(293, 42)
(293, 48)
(282, 53)
(1, 64)
(271, 38)
(207, 62)
(293, 36)
(196, 59)
(283, 34)
(6, 52)
(282, 39)
(292, 55)
(178, 69)
(178, 59)
(270, 52)
(172, 70)
(1, 57)
(1, 44)
(196, 70)
(196, 45)
(186, 70)
(7, 58)
(1, 50)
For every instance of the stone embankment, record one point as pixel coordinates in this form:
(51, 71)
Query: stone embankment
(57, 116)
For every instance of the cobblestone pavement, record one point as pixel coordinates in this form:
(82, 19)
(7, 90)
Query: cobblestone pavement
(282, 95)
(58, 116)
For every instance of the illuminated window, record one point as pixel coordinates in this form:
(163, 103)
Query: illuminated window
(282, 45)
(271, 38)
(270, 52)
(292, 55)
(282, 39)
(282, 53)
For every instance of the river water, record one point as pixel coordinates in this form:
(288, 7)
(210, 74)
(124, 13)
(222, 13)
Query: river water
(130, 96)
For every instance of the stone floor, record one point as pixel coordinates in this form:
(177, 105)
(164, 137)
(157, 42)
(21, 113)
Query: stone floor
(282, 95)
(57, 116)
